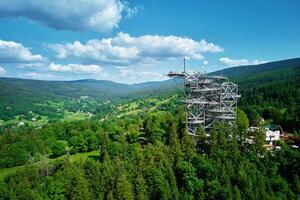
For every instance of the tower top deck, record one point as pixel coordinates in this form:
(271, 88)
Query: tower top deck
(195, 75)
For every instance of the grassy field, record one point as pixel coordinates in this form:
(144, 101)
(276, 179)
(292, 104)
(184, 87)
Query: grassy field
(73, 158)
(17, 122)
(70, 116)
(132, 108)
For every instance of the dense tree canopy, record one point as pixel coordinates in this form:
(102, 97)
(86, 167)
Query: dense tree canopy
(144, 151)
(169, 164)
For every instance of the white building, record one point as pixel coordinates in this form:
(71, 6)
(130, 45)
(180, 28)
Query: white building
(272, 135)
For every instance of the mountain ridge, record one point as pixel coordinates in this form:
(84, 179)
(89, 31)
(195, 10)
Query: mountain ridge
(252, 69)
(110, 89)
(230, 72)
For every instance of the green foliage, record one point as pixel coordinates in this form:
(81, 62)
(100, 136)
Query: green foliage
(272, 95)
(147, 154)
(13, 154)
(171, 166)
(242, 121)
(187, 178)
(59, 148)
(27, 98)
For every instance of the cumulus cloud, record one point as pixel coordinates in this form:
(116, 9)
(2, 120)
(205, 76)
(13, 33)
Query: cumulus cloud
(30, 65)
(75, 15)
(75, 68)
(2, 71)
(43, 76)
(238, 62)
(126, 50)
(120, 67)
(205, 62)
(12, 52)
(141, 75)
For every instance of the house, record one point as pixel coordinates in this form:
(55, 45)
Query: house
(272, 135)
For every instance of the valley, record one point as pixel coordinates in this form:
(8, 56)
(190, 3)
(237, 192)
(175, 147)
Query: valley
(149, 100)
(90, 138)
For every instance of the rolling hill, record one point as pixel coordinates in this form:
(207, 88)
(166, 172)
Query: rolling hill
(248, 70)
(102, 89)
(260, 86)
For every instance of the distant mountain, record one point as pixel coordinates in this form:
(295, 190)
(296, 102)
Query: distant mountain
(101, 89)
(256, 69)
(267, 83)
(114, 88)
(14, 88)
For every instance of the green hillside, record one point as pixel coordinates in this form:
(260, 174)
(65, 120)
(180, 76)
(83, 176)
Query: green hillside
(256, 69)
(21, 96)
(270, 90)
(115, 141)
(272, 94)
(101, 89)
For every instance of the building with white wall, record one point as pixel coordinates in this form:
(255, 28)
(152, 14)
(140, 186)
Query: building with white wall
(272, 135)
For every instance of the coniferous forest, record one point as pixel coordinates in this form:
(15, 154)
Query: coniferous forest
(164, 163)
(137, 147)
(149, 100)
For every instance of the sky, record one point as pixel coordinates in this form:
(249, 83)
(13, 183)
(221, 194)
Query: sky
(141, 40)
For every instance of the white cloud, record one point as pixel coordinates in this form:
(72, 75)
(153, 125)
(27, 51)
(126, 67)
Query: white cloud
(121, 67)
(2, 71)
(257, 62)
(75, 68)
(130, 11)
(141, 75)
(44, 76)
(151, 75)
(12, 52)
(197, 56)
(127, 72)
(205, 62)
(76, 15)
(30, 65)
(238, 62)
(125, 50)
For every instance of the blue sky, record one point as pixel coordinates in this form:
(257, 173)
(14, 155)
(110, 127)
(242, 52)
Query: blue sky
(136, 41)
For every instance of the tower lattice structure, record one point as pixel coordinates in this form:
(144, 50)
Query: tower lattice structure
(208, 99)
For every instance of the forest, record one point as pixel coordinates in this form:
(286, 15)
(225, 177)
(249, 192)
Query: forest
(137, 147)
(272, 95)
(146, 157)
